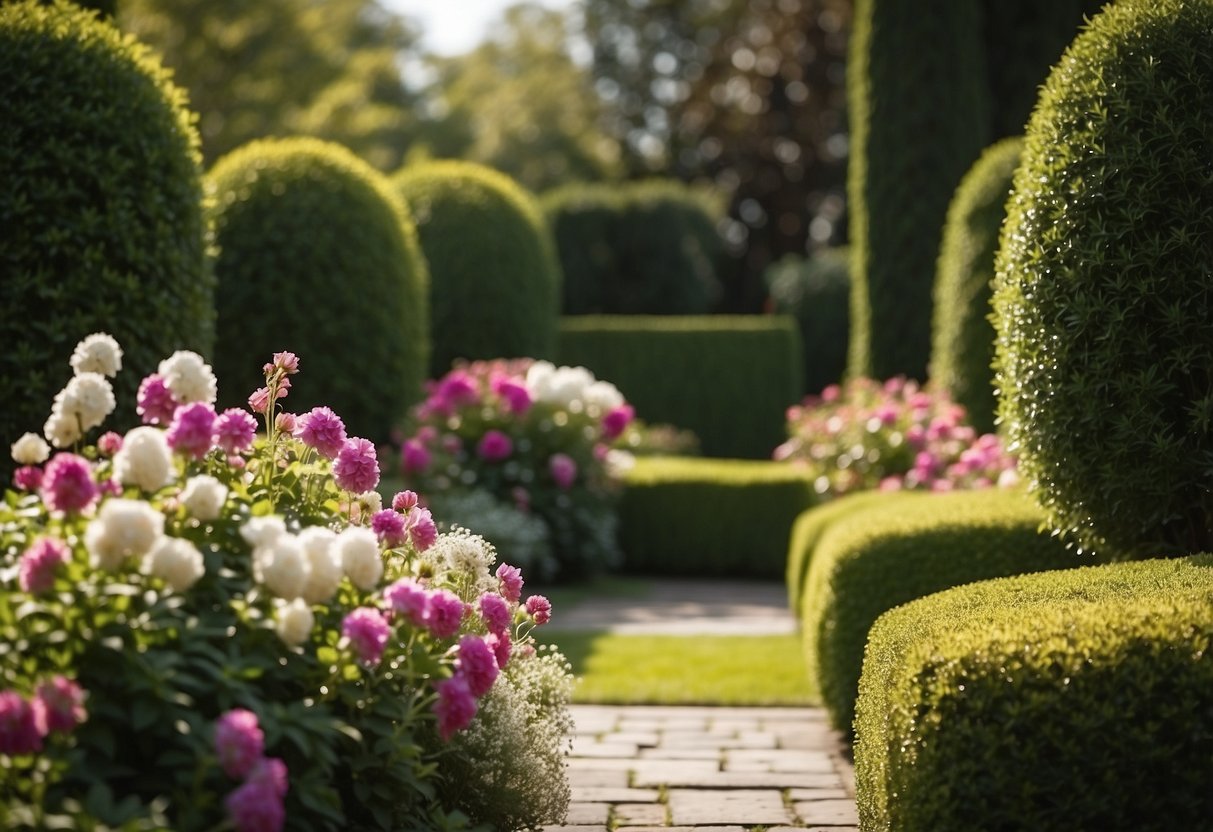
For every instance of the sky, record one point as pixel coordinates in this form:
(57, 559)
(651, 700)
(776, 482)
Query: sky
(452, 27)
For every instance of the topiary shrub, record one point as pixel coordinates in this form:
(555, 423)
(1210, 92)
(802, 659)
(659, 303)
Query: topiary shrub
(494, 278)
(816, 292)
(101, 209)
(962, 346)
(316, 251)
(1104, 294)
(1076, 699)
(887, 554)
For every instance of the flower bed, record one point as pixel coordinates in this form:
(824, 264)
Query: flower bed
(201, 625)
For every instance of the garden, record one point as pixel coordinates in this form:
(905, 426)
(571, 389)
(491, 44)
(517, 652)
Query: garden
(330, 390)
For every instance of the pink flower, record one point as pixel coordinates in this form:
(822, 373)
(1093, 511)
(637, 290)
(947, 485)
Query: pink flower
(36, 572)
(109, 443)
(111, 487)
(405, 501)
(63, 700)
(192, 433)
(154, 402)
(478, 664)
(357, 467)
(445, 613)
(67, 484)
(270, 772)
(235, 430)
(513, 393)
(563, 470)
(410, 599)
(388, 526)
(457, 388)
(322, 429)
(422, 530)
(539, 608)
(522, 499)
(255, 807)
(495, 611)
(414, 457)
(501, 646)
(456, 706)
(287, 362)
(239, 742)
(368, 633)
(494, 446)
(891, 483)
(617, 420)
(286, 423)
(510, 579)
(22, 724)
(27, 478)
(259, 400)
(831, 393)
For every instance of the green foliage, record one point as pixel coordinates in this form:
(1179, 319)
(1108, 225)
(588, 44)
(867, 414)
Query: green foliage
(494, 279)
(643, 248)
(962, 347)
(886, 554)
(317, 255)
(697, 517)
(1103, 288)
(101, 208)
(1076, 699)
(817, 292)
(694, 371)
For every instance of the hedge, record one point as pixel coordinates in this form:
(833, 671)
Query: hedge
(1075, 699)
(887, 554)
(710, 517)
(817, 292)
(729, 379)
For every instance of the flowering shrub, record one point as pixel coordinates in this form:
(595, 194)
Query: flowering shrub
(206, 627)
(891, 436)
(536, 436)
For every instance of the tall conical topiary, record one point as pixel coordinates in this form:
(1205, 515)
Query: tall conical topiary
(101, 225)
(494, 277)
(1104, 287)
(962, 336)
(317, 255)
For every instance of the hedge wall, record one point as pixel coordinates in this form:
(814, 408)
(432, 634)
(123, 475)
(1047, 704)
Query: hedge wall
(817, 292)
(1076, 699)
(729, 379)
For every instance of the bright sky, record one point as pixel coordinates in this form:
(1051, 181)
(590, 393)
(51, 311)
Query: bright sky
(452, 27)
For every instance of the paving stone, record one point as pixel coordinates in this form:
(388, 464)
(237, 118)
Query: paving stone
(579, 829)
(584, 747)
(658, 770)
(587, 814)
(745, 759)
(690, 829)
(749, 807)
(660, 753)
(591, 778)
(617, 795)
(641, 738)
(827, 812)
(639, 814)
(686, 739)
(819, 794)
(735, 780)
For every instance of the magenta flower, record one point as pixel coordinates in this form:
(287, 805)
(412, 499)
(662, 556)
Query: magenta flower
(357, 466)
(255, 807)
(270, 772)
(388, 526)
(288, 362)
(478, 664)
(368, 634)
(456, 706)
(109, 443)
(415, 457)
(192, 432)
(617, 420)
(154, 402)
(539, 608)
(445, 613)
(322, 429)
(36, 572)
(404, 501)
(27, 478)
(239, 742)
(495, 611)
(563, 470)
(67, 484)
(235, 430)
(494, 446)
(513, 393)
(510, 579)
(501, 646)
(457, 388)
(63, 700)
(22, 724)
(422, 530)
(410, 599)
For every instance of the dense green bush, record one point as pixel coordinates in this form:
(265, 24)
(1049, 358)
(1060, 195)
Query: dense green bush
(962, 336)
(887, 554)
(636, 248)
(697, 517)
(317, 255)
(1104, 293)
(817, 293)
(494, 278)
(100, 209)
(1076, 699)
(729, 379)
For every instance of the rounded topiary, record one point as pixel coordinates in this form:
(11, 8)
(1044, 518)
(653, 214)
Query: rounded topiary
(962, 336)
(817, 291)
(318, 256)
(494, 278)
(101, 224)
(1104, 286)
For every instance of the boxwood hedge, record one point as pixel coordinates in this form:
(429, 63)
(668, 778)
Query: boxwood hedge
(817, 293)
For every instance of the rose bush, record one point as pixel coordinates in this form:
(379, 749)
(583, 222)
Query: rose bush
(207, 626)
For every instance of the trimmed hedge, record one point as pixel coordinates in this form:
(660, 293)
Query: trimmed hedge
(1076, 699)
(100, 210)
(710, 517)
(636, 248)
(729, 379)
(962, 346)
(885, 555)
(1104, 291)
(318, 256)
(494, 278)
(817, 292)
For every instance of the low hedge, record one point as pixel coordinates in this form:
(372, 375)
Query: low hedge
(1076, 699)
(710, 517)
(729, 379)
(878, 558)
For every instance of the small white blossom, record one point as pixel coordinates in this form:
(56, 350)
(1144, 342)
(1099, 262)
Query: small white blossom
(603, 395)
(189, 378)
(360, 558)
(88, 397)
(122, 528)
(326, 571)
(62, 429)
(176, 561)
(203, 497)
(370, 501)
(262, 531)
(281, 566)
(30, 449)
(294, 621)
(144, 459)
(97, 353)
(469, 555)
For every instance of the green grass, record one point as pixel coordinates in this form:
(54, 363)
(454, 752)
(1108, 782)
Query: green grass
(686, 670)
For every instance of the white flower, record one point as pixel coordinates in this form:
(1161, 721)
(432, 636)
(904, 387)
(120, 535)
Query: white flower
(619, 462)
(262, 531)
(98, 353)
(62, 429)
(203, 497)
(30, 449)
(189, 378)
(281, 566)
(370, 501)
(144, 460)
(177, 561)
(562, 386)
(1008, 478)
(537, 375)
(603, 395)
(468, 554)
(294, 621)
(122, 528)
(88, 397)
(359, 551)
(325, 575)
